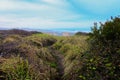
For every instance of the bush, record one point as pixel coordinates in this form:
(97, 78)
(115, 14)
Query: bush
(103, 61)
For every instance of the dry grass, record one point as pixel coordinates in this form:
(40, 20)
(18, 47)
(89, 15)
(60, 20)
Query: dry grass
(73, 48)
(38, 50)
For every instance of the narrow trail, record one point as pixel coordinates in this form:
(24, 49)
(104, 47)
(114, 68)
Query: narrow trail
(2, 74)
(59, 60)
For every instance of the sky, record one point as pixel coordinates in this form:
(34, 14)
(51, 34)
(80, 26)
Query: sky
(55, 14)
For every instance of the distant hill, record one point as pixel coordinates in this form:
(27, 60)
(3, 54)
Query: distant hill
(17, 32)
(81, 33)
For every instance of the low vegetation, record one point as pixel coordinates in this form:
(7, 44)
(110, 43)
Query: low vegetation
(35, 56)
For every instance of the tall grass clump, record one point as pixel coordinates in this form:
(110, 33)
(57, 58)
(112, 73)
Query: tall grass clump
(16, 69)
(72, 48)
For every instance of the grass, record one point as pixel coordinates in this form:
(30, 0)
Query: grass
(38, 58)
(36, 55)
(73, 48)
(16, 69)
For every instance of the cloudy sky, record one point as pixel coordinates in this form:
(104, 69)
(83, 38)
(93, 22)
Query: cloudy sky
(49, 14)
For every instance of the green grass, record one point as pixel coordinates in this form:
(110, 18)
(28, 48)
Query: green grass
(16, 69)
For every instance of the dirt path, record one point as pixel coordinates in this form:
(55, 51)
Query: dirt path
(2, 74)
(59, 60)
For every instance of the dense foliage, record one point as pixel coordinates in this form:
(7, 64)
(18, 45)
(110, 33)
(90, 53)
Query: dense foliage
(103, 61)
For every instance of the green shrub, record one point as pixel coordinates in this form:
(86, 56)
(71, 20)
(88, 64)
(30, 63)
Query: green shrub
(102, 63)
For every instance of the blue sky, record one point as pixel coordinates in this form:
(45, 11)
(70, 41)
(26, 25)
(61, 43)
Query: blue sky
(49, 14)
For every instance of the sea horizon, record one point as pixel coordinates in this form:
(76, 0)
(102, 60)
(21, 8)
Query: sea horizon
(70, 30)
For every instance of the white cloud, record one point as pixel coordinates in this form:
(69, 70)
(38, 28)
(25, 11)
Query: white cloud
(24, 5)
(36, 9)
(42, 13)
(19, 5)
(58, 3)
(48, 13)
(8, 22)
(52, 1)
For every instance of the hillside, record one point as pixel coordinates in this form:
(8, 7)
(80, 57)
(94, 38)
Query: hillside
(28, 55)
(44, 56)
